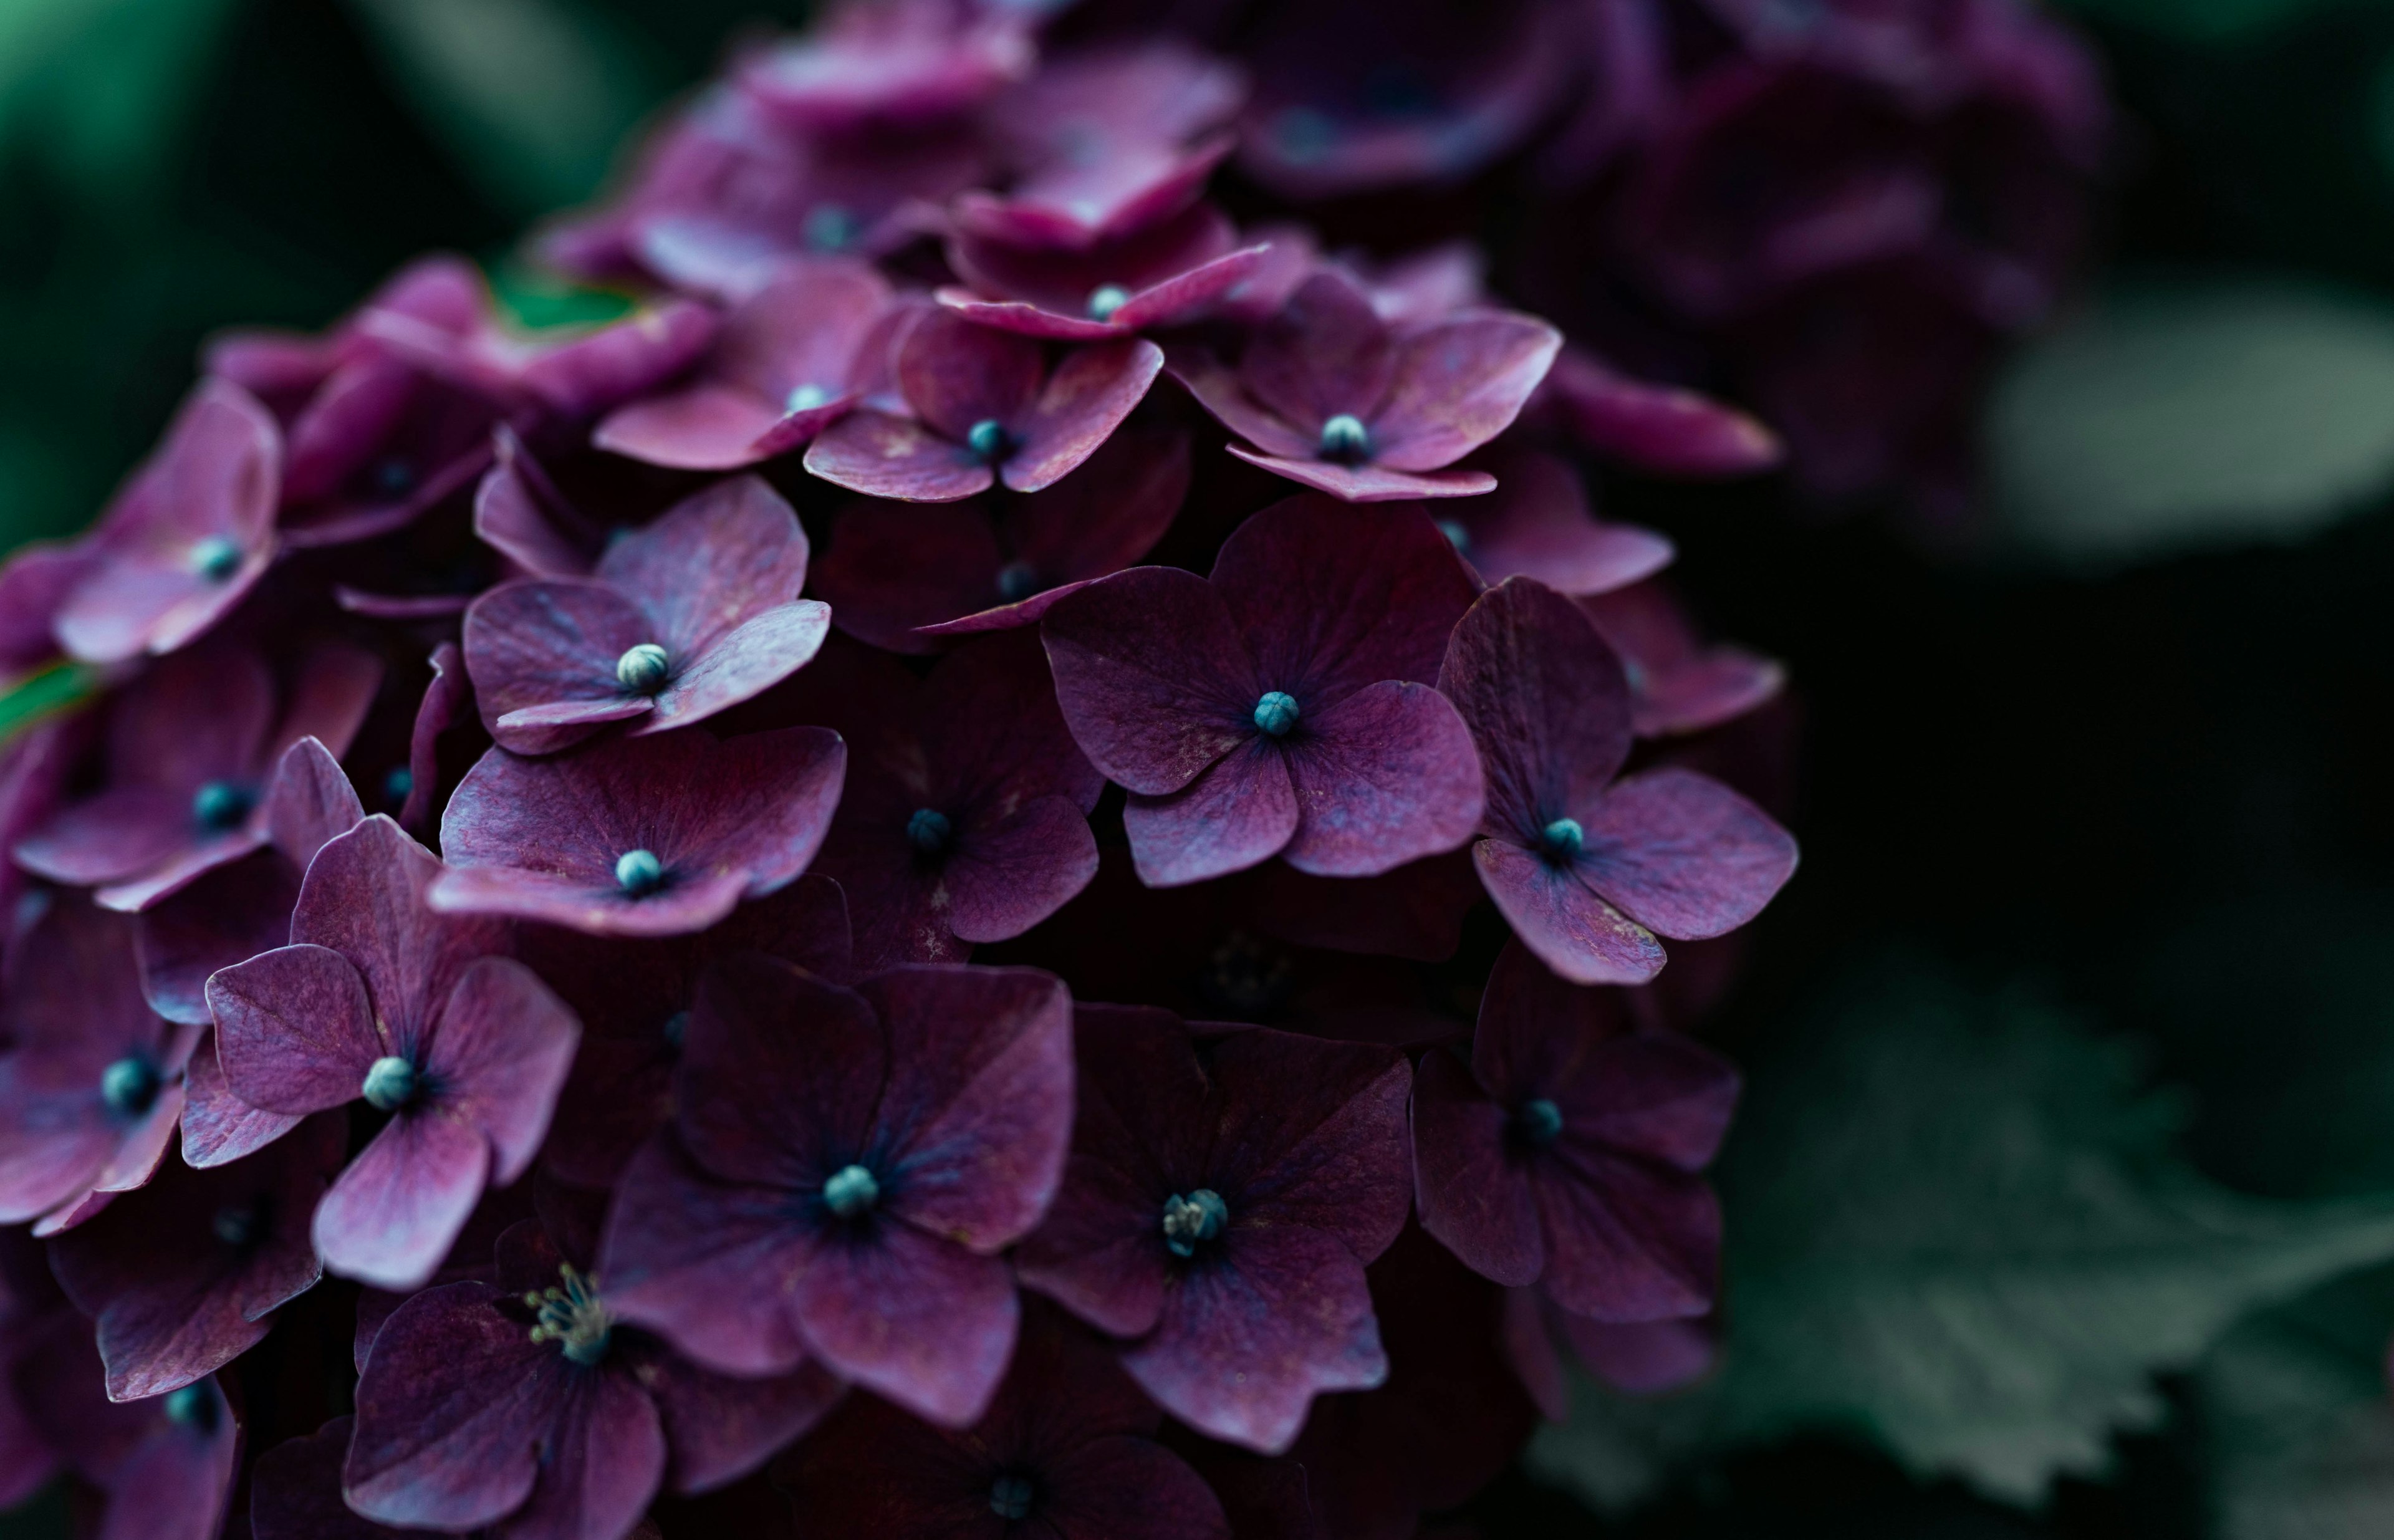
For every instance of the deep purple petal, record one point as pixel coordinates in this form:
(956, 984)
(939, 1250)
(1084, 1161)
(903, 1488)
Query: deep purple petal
(499, 1056)
(1571, 929)
(955, 375)
(713, 562)
(1371, 483)
(227, 917)
(1662, 428)
(759, 653)
(1683, 854)
(295, 1491)
(1151, 676)
(1644, 1357)
(1458, 384)
(721, 1429)
(1626, 1240)
(1004, 879)
(448, 699)
(296, 1030)
(1248, 1339)
(789, 1069)
(1241, 811)
(1546, 700)
(1383, 777)
(536, 647)
(391, 1217)
(1082, 404)
(1312, 1134)
(912, 1317)
(882, 455)
(709, 426)
(1216, 389)
(1468, 1175)
(217, 1126)
(1537, 525)
(1125, 1488)
(519, 513)
(309, 802)
(1325, 354)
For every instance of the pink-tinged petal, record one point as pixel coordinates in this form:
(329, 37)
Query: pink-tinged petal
(588, 904)
(618, 361)
(1386, 776)
(713, 562)
(1072, 204)
(1370, 483)
(328, 700)
(499, 1058)
(1333, 1158)
(1005, 878)
(1652, 1094)
(1241, 810)
(1247, 1342)
(519, 513)
(1151, 676)
(452, 1408)
(217, 478)
(710, 425)
(1537, 525)
(1024, 319)
(914, 1318)
(707, 1265)
(356, 409)
(807, 325)
(1457, 384)
(1665, 429)
(217, 1126)
(1540, 1035)
(176, 1295)
(1573, 931)
(154, 738)
(978, 1106)
(1684, 855)
(542, 655)
(120, 832)
(1087, 397)
(175, 1483)
(400, 607)
(787, 1065)
(760, 653)
(891, 568)
(1625, 1241)
(603, 1460)
(309, 802)
(294, 1030)
(394, 1213)
(1332, 599)
(721, 1428)
(33, 582)
(882, 455)
(1468, 1175)
(227, 916)
(1719, 685)
(1547, 701)
(1217, 389)
(448, 699)
(1185, 294)
(955, 375)
(1100, 521)
(178, 871)
(1644, 1357)
(1326, 354)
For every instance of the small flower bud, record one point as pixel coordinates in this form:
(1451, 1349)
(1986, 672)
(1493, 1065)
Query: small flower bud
(1538, 1123)
(639, 872)
(215, 557)
(192, 1407)
(1197, 1218)
(1010, 1497)
(1346, 440)
(129, 1086)
(1276, 713)
(1017, 581)
(989, 439)
(1456, 536)
(829, 228)
(219, 806)
(1105, 299)
(389, 1084)
(851, 1192)
(805, 398)
(1563, 839)
(642, 669)
(929, 831)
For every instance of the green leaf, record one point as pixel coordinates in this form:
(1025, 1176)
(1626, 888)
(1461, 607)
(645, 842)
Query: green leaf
(1957, 1229)
(2172, 416)
(2296, 1419)
(36, 698)
(532, 96)
(99, 87)
(2200, 21)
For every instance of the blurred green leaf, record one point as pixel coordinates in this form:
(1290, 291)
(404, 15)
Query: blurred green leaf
(532, 96)
(43, 695)
(2203, 21)
(2297, 1422)
(2177, 415)
(97, 87)
(1959, 1229)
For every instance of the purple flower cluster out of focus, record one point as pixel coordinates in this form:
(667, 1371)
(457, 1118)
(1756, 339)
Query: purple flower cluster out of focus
(1006, 864)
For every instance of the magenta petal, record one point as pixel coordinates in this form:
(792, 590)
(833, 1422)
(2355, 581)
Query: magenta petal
(217, 1126)
(1371, 483)
(119, 833)
(294, 1030)
(1457, 384)
(710, 425)
(1474, 1195)
(706, 1264)
(721, 1428)
(1024, 319)
(1130, 1488)
(296, 1491)
(1546, 700)
(1217, 389)
(391, 1218)
(1004, 879)
(1718, 686)
(914, 1318)
(1662, 428)
(518, 513)
(1152, 677)
(1684, 855)
(1185, 293)
(711, 562)
(1383, 777)
(891, 568)
(1626, 1240)
(1331, 1159)
(1656, 1095)
(309, 802)
(760, 653)
(1082, 404)
(1538, 526)
(227, 916)
(175, 1483)
(500, 1057)
(542, 655)
(896, 457)
(1573, 931)
(1246, 1343)
(448, 699)
(1644, 1357)
(1241, 811)
(954, 374)
(1325, 354)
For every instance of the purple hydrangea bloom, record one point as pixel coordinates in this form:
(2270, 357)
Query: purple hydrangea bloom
(965, 818)
(188, 537)
(639, 836)
(1219, 1211)
(421, 1014)
(986, 405)
(183, 1275)
(1677, 683)
(526, 1410)
(634, 998)
(1164, 274)
(1281, 707)
(843, 1168)
(163, 1468)
(1537, 524)
(92, 1079)
(1587, 869)
(192, 744)
(696, 613)
(576, 375)
(1565, 1152)
(1066, 1449)
(906, 577)
(1329, 394)
(790, 359)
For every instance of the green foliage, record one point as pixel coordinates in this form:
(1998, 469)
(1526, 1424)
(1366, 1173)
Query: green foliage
(1958, 1228)
(43, 695)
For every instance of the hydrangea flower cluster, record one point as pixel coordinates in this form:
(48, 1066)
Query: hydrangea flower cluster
(1008, 860)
